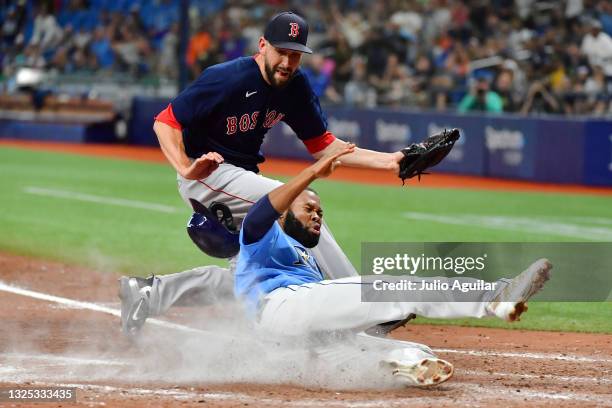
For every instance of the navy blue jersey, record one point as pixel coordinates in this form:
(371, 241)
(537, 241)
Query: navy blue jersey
(230, 107)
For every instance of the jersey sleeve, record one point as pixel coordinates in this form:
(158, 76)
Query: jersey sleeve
(306, 117)
(199, 99)
(316, 144)
(259, 220)
(167, 116)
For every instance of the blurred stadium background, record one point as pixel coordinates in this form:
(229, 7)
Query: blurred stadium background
(528, 82)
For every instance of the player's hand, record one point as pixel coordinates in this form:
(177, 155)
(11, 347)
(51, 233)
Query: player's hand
(327, 164)
(203, 166)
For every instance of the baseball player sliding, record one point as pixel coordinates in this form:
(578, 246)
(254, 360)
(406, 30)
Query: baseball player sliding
(212, 132)
(279, 279)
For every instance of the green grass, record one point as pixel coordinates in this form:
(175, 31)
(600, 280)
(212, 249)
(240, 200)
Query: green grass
(593, 317)
(139, 242)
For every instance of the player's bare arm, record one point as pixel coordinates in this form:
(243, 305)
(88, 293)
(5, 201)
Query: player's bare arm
(363, 157)
(411, 161)
(171, 142)
(282, 197)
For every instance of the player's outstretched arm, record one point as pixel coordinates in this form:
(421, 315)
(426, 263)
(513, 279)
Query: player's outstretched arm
(364, 158)
(171, 142)
(282, 197)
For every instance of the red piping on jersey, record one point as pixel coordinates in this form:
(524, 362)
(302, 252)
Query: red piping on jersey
(225, 192)
(316, 144)
(167, 116)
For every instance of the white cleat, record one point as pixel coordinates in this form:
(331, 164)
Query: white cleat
(511, 302)
(427, 372)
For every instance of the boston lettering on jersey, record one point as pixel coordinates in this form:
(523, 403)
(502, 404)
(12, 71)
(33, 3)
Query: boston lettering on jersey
(230, 108)
(249, 122)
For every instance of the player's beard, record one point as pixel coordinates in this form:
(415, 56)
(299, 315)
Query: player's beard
(270, 71)
(296, 230)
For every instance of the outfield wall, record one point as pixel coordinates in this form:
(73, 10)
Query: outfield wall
(577, 151)
(545, 149)
(550, 149)
(75, 132)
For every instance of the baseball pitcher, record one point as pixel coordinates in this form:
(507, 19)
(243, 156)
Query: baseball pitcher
(212, 132)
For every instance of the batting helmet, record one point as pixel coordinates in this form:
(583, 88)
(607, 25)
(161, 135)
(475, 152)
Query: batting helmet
(213, 230)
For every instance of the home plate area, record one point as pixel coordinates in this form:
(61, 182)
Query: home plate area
(60, 328)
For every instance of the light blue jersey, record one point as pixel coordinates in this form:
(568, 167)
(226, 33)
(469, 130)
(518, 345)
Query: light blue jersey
(276, 260)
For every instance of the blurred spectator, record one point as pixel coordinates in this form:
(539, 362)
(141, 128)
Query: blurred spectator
(597, 46)
(481, 98)
(540, 99)
(458, 62)
(442, 86)
(131, 50)
(353, 27)
(542, 57)
(358, 91)
(13, 24)
(319, 72)
(394, 86)
(168, 53)
(421, 75)
(409, 20)
(47, 33)
(338, 49)
(377, 50)
(232, 44)
(101, 48)
(504, 88)
(596, 83)
(33, 57)
(605, 15)
(200, 51)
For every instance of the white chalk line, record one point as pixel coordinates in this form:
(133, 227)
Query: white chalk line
(356, 404)
(75, 304)
(525, 393)
(91, 198)
(557, 378)
(537, 356)
(103, 309)
(533, 225)
(62, 360)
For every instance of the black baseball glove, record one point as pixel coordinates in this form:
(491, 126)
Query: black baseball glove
(418, 157)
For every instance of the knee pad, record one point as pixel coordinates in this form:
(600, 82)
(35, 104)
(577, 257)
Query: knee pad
(213, 230)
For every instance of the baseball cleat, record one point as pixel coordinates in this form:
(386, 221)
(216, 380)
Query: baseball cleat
(134, 294)
(427, 372)
(510, 303)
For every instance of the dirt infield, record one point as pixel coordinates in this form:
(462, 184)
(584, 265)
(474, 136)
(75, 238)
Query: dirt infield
(53, 341)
